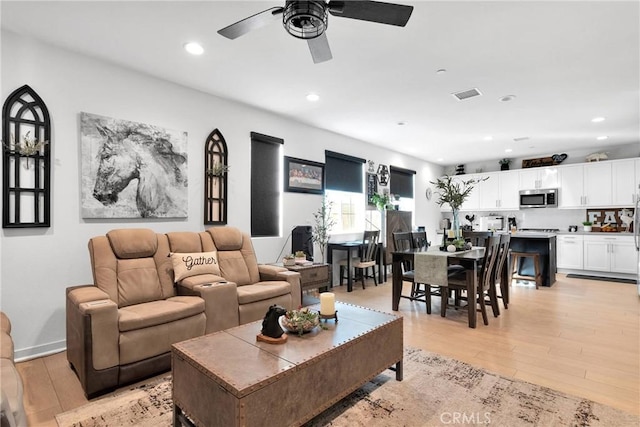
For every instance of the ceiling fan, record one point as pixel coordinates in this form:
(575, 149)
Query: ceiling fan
(308, 20)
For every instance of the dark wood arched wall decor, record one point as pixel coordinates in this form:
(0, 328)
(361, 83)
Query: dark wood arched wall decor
(26, 161)
(216, 166)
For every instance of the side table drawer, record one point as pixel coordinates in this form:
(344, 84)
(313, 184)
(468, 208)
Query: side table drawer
(314, 274)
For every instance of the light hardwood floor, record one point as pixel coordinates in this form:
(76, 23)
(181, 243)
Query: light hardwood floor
(580, 337)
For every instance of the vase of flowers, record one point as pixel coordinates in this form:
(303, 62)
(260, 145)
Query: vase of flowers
(454, 192)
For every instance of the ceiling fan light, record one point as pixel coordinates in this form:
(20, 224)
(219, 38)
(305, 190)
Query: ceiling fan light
(305, 19)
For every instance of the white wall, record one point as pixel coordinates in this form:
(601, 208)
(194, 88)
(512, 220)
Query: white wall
(38, 264)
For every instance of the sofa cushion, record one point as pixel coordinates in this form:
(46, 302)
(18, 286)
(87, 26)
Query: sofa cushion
(133, 242)
(262, 290)
(194, 263)
(13, 391)
(158, 312)
(226, 238)
(6, 346)
(138, 281)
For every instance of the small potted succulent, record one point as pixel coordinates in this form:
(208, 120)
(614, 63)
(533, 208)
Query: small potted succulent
(504, 164)
(587, 225)
(289, 259)
(300, 257)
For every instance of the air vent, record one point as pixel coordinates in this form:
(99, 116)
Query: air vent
(466, 94)
(522, 138)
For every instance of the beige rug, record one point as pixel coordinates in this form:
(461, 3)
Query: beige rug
(436, 391)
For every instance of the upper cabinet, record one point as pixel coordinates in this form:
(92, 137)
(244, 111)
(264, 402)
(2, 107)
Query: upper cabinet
(625, 182)
(586, 185)
(534, 178)
(500, 191)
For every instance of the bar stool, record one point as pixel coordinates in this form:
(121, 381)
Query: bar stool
(515, 257)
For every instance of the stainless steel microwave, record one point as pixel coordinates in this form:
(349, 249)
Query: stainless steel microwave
(540, 198)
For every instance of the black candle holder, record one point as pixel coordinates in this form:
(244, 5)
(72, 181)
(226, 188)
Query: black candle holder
(325, 317)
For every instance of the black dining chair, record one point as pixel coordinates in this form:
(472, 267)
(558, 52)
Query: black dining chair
(458, 281)
(477, 238)
(423, 292)
(366, 260)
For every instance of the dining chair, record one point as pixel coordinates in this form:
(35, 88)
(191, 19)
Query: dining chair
(477, 238)
(423, 292)
(458, 281)
(419, 240)
(501, 275)
(367, 258)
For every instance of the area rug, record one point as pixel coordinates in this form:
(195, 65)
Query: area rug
(436, 391)
(603, 279)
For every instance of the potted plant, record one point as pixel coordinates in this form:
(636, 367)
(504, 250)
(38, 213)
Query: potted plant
(218, 170)
(587, 225)
(300, 257)
(454, 192)
(323, 225)
(382, 201)
(504, 164)
(289, 259)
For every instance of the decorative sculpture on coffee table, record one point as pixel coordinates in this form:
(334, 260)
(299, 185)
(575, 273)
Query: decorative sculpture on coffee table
(272, 332)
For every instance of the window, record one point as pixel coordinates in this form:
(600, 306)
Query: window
(402, 185)
(265, 185)
(344, 177)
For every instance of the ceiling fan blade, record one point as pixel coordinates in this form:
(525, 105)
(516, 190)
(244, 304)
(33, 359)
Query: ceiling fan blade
(253, 22)
(319, 47)
(372, 11)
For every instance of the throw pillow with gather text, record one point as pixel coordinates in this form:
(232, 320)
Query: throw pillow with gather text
(193, 264)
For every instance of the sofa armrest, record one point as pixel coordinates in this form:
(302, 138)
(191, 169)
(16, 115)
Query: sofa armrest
(220, 303)
(92, 329)
(273, 272)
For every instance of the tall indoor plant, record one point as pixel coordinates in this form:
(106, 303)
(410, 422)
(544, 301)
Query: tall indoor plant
(454, 192)
(323, 225)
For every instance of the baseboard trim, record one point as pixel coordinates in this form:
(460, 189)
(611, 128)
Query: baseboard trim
(24, 354)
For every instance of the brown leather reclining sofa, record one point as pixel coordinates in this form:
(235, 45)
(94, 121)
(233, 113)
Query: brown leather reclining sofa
(120, 329)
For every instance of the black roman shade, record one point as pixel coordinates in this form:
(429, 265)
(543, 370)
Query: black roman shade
(265, 191)
(401, 182)
(343, 172)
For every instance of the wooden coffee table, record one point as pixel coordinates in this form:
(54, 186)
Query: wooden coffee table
(229, 379)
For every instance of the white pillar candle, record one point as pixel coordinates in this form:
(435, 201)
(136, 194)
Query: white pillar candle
(327, 303)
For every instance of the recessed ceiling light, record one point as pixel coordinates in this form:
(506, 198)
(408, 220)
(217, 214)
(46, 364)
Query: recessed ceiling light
(598, 119)
(194, 48)
(313, 97)
(440, 160)
(508, 150)
(507, 98)
(402, 123)
(602, 138)
(441, 71)
(488, 138)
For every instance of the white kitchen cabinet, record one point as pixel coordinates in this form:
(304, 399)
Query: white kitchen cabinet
(500, 191)
(609, 253)
(625, 187)
(569, 249)
(586, 185)
(534, 178)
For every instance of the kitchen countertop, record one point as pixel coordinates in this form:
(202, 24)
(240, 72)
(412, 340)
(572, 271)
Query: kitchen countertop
(533, 235)
(596, 233)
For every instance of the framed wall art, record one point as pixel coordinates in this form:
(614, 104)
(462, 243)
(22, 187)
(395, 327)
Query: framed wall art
(132, 170)
(303, 176)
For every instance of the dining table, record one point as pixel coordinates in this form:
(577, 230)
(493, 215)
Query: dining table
(470, 260)
(351, 248)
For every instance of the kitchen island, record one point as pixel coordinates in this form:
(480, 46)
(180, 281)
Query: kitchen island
(536, 242)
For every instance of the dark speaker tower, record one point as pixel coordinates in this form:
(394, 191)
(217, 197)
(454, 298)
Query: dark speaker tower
(301, 241)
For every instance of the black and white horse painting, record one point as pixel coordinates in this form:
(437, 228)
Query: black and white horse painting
(132, 170)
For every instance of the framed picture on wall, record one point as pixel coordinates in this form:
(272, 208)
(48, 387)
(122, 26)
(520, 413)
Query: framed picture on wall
(303, 176)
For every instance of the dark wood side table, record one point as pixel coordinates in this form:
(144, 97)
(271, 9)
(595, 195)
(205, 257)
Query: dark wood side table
(314, 276)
